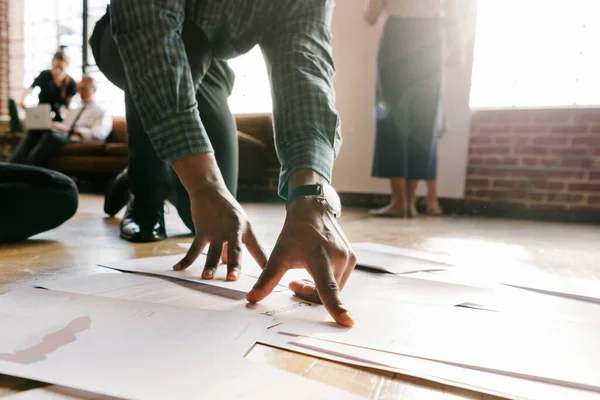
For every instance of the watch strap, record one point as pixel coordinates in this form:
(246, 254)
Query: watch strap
(305, 191)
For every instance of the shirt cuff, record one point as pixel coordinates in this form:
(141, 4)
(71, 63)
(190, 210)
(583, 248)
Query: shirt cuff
(179, 136)
(318, 157)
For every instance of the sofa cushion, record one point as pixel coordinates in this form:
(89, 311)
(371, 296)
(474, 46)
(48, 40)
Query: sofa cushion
(82, 149)
(116, 149)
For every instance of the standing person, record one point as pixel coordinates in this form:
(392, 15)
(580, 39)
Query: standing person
(151, 180)
(410, 109)
(88, 123)
(57, 88)
(295, 38)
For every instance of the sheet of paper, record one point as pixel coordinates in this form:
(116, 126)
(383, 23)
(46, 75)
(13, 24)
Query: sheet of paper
(251, 381)
(156, 289)
(122, 348)
(553, 351)
(397, 260)
(472, 379)
(377, 286)
(577, 289)
(163, 266)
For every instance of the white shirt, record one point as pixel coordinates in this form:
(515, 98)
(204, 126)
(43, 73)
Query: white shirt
(94, 123)
(413, 8)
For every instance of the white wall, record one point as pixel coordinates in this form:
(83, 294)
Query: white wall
(355, 52)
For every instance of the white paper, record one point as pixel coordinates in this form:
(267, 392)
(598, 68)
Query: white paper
(397, 260)
(243, 379)
(553, 351)
(122, 348)
(577, 289)
(472, 379)
(163, 266)
(155, 289)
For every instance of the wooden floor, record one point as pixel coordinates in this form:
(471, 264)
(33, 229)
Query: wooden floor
(489, 247)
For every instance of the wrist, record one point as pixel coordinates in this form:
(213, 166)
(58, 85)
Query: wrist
(198, 172)
(303, 177)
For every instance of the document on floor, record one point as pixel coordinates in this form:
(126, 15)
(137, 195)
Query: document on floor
(531, 347)
(163, 290)
(123, 348)
(397, 260)
(163, 266)
(253, 381)
(576, 289)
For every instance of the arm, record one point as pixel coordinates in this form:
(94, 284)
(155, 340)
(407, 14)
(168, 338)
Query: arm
(307, 126)
(26, 93)
(373, 10)
(159, 75)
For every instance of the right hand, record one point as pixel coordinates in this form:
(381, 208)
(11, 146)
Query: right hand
(218, 219)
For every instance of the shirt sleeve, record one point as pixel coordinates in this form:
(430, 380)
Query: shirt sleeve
(158, 74)
(301, 68)
(37, 82)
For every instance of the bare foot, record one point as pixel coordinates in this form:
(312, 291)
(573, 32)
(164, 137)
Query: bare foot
(433, 208)
(389, 211)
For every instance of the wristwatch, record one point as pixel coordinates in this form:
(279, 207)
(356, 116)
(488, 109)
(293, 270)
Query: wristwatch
(323, 193)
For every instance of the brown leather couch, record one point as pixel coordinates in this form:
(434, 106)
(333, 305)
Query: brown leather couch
(256, 152)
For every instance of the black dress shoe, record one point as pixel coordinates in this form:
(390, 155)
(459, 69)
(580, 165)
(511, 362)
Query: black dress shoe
(117, 194)
(142, 223)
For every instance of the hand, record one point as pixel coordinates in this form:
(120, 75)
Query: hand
(218, 219)
(312, 239)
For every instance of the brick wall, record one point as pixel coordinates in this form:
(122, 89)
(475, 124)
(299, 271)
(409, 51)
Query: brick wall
(3, 56)
(538, 159)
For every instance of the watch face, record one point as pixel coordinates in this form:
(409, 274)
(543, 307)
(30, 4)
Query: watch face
(332, 199)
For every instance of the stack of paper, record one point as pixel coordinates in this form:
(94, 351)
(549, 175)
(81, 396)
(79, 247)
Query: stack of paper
(396, 260)
(138, 350)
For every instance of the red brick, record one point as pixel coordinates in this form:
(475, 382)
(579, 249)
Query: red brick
(586, 140)
(530, 173)
(558, 174)
(566, 197)
(590, 115)
(503, 140)
(478, 182)
(570, 129)
(546, 185)
(531, 150)
(530, 129)
(510, 161)
(594, 199)
(550, 140)
(572, 151)
(595, 176)
(475, 161)
(595, 129)
(585, 187)
(535, 196)
(553, 116)
(481, 140)
(513, 116)
(482, 171)
(530, 162)
(490, 150)
(492, 130)
(523, 141)
(501, 183)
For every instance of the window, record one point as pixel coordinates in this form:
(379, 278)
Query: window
(536, 53)
(51, 23)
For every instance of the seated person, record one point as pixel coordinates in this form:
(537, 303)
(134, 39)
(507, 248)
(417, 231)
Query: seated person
(88, 123)
(56, 87)
(33, 200)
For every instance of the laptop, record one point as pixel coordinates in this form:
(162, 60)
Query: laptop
(38, 118)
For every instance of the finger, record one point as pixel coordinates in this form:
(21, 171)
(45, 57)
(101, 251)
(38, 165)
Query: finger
(268, 280)
(234, 258)
(306, 290)
(224, 255)
(329, 291)
(212, 260)
(255, 249)
(350, 265)
(192, 254)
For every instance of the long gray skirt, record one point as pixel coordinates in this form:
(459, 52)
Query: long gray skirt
(410, 110)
